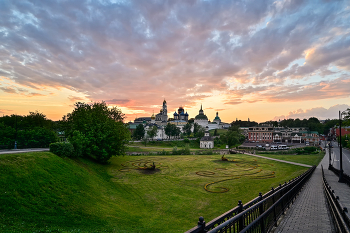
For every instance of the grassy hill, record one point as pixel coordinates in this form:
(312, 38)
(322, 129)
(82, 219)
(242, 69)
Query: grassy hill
(41, 192)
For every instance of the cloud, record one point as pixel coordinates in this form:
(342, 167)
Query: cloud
(118, 101)
(32, 94)
(184, 51)
(8, 90)
(75, 98)
(319, 112)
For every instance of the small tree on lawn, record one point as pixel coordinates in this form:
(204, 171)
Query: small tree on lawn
(187, 129)
(152, 132)
(139, 132)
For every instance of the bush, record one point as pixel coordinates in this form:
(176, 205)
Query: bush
(78, 141)
(184, 151)
(186, 140)
(62, 149)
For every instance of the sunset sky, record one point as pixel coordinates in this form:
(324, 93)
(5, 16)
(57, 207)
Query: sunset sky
(263, 60)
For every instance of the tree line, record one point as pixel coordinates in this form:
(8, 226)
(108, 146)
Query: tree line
(29, 131)
(170, 130)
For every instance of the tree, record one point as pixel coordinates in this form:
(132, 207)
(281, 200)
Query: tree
(139, 132)
(200, 132)
(100, 127)
(168, 130)
(216, 132)
(187, 129)
(152, 132)
(233, 136)
(145, 140)
(196, 127)
(176, 131)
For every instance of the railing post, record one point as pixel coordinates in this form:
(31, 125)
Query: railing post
(261, 211)
(201, 224)
(274, 208)
(240, 222)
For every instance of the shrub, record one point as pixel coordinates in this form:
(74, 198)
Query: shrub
(62, 149)
(186, 140)
(78, 141)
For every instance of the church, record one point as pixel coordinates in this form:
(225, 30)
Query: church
(162, 116)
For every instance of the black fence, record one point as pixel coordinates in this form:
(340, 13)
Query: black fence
(340, 215)
(260, 214)
(346, 178)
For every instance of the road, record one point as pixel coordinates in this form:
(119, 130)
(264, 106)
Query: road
(335, 158)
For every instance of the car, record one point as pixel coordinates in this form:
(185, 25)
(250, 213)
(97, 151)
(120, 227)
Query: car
(267, 145)
(273, 147)
(307, 144)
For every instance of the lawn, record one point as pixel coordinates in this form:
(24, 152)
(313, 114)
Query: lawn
(43, 192)
(312, 159)
(219, 131)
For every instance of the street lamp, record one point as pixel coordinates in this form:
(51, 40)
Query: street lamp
(329, 166)
(340, 149)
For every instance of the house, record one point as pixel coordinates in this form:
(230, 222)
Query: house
(206, 142)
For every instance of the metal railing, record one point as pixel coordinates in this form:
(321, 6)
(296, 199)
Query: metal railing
(258, 215)
(346, 178)
(340, 215)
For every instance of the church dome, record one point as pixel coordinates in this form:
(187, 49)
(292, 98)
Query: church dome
(175, 114)
(201, 115)
(153, 117)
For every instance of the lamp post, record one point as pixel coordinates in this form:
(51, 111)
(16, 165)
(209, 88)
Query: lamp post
(340, 150)
(330, 159)
(16, 133)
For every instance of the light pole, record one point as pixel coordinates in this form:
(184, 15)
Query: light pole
(330, 159)
(340, 150)
(16, 133)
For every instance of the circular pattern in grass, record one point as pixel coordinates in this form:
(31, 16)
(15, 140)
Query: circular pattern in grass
(246, 168)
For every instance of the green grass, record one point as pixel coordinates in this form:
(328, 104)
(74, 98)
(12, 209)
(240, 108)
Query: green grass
(312, 159)
(43, 192)
(219, 131)
(167, 144)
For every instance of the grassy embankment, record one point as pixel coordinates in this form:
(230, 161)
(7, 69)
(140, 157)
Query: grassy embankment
(311, 159)
(43, 192)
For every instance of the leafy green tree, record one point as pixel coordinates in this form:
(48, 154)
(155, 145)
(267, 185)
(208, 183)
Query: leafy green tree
(176, 131)
(196, 127)
(102, 129)
(168, 130)
(152, 132)
(233, 136)
(187, 129)
(139, 132)
(346, 121)
(145, 140)
(200, 132)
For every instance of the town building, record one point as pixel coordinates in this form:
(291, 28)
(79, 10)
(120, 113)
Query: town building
(207, 141)
(270, 134)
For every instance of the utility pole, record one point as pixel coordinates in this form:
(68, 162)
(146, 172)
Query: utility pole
(341, 152)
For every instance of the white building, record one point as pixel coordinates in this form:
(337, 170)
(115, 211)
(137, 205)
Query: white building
(201, 119)
(206, 142)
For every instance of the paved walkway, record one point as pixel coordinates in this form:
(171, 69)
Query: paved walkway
(309, 213)
(282, 161)
(15, 151)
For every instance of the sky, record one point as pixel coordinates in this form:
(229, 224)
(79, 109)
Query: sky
(262, 60)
